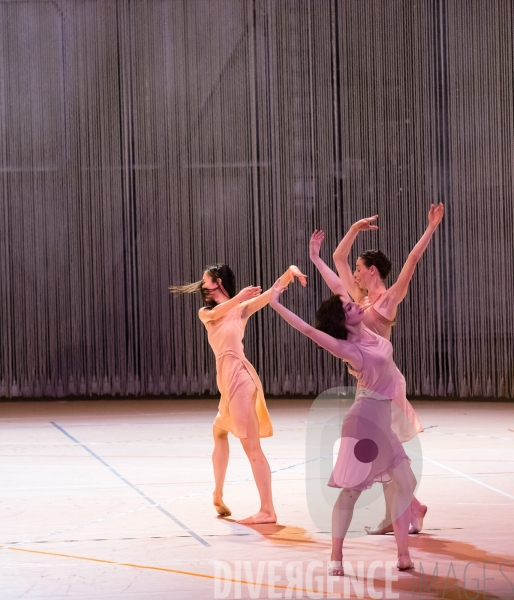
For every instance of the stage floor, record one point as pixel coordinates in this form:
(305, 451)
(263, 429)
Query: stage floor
(112, 499)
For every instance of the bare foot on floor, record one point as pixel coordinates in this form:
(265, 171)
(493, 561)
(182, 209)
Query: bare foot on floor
(260, 517)
(222, 509)
(417, 519)
(380, 529)
(404, 563)
(335, 568)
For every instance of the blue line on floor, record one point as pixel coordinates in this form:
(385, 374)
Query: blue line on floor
(135, 488)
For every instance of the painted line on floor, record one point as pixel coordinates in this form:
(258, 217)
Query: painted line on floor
(143, 508)
(472, 435)
(490, 487)
(175, 571)
(135, 488)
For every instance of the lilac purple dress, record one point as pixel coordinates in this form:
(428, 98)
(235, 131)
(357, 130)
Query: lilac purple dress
(370, 448)
(377, 323)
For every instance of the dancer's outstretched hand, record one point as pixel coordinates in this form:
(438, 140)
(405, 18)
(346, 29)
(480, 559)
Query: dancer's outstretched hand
(277, 289)
(249, 292)
(435, 215)
(295, 272)
(366, 224)
(315, 244)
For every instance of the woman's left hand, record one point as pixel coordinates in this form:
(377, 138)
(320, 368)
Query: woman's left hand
(295, 272)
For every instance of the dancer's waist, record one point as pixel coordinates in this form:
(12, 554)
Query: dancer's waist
(363, 392)
(231, 352)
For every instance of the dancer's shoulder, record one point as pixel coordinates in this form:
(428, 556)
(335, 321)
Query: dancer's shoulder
(205, 314)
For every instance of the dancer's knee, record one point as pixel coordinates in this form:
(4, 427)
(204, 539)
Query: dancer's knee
(348, 496)
(218, 433)
(404, 479)
(252, 448)
(350, 493)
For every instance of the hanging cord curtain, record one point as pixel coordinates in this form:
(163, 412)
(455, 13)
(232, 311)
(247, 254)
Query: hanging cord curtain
(141, 141)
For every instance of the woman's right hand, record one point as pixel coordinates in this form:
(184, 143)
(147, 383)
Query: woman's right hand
(365, 224)
(435, 215)
(294, 271)
(249, 292)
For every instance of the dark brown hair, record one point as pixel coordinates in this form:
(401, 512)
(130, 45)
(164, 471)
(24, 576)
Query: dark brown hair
(376, 258)
(331, 318)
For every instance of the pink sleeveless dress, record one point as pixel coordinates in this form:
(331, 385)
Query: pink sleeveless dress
(370, 448)
(237, 380)
(379, 324)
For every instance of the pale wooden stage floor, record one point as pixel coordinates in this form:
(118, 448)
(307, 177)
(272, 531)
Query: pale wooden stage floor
(112, 499)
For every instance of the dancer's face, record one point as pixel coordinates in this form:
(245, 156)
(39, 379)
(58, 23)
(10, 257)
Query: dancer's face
(353, 313)
(362, 274)
(213, 289)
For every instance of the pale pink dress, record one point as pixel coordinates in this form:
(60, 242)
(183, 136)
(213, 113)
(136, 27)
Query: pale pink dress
(237, 380)
(379, 324)
(370, 448)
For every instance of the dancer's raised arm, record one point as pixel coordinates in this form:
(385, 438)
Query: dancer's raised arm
(247, 294)
(342, 252)
(340, 348)
(331, 278)
(255, 304)
(397, 292)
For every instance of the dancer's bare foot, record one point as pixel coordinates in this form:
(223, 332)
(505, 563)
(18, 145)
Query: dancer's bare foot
(260, 517)
(380, 529)
(404, 562)
(335, 568)
(416, 519)
(222, 509)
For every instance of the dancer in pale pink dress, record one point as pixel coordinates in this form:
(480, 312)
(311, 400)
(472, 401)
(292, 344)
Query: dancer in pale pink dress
(367, 287)
(242, 409)
(370, 450)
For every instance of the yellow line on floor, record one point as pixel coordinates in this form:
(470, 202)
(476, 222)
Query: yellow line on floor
(149, 567)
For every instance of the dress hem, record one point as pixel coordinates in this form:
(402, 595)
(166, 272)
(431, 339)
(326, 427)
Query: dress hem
(376, 478)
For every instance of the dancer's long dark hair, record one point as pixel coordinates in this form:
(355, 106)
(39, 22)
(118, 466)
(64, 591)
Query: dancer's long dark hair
(331, 318)
(215, 272)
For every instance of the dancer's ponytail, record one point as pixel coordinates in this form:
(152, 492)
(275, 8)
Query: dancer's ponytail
(189, 288)
(215, 272)
(193, 288)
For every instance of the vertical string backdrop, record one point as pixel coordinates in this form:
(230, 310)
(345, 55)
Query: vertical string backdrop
(141, 141)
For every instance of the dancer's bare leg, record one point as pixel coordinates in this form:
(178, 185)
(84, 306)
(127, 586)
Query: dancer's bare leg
(261, 472)
(341, 518)
(404, 483)
(386, 525)
(417, 514)
(220, 462)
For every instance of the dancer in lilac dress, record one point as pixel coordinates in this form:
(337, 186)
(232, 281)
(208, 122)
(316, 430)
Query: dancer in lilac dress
(370, 451)
(367, 287)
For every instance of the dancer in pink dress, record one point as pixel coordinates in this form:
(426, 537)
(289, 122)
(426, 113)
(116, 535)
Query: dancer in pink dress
(367, 287)
(370, 451)
(242, 409)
